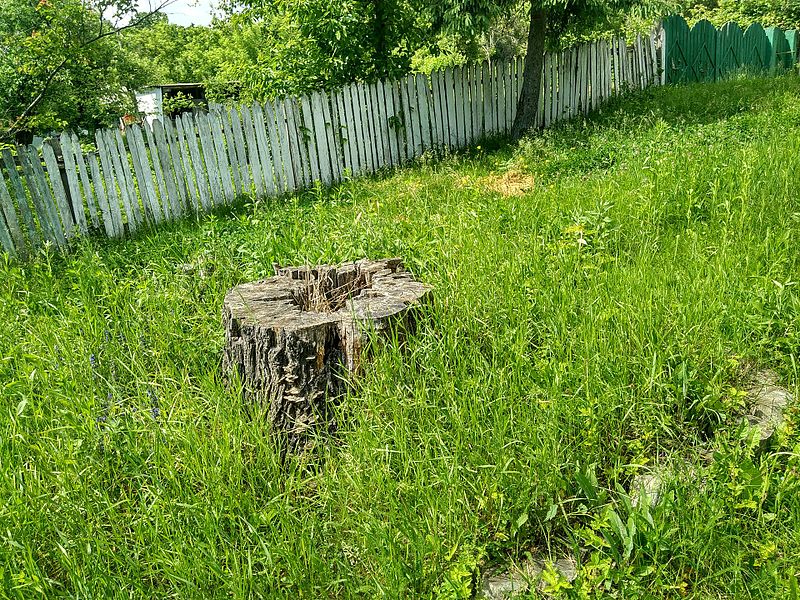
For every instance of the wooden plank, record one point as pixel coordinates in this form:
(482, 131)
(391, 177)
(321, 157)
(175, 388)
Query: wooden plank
(241, 150)
(309, 137)
(368, 128)
(210, 159)
(109, 223)
(456, 90)
(435, 115)
(273, 119)
(274, 161)
(42, 210)
(59, 192)
(252, 151)
(200, 176)
(509, 84)
(192, 191)
(118, 178)
(412, 127)
(321, 138)
(84, 178)
(214, 156)
(230, 147)
(486, 96)
(5, 237)
(348, 132)
(389, 123)
(11, 211)
(383, 121)
(334, 153)
(14, 235)
(181, 186)
(373, 118)
(37, 185)
(424, 110)
(155, 158)
(466, 103)
(144, 175)
(73, 185)
(115, 137)
(358, 131)
(175, 208)
(21, 197)
(340, 132)
(223, 167)
(292, 147)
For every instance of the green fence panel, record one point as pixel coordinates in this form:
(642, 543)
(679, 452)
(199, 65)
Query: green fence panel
(792, 39)
(757, 48)
(780, 53)
(676, 42)
(703, 39)
(730, 49)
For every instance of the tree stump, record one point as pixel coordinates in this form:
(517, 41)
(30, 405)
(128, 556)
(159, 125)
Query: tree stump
(294, 339)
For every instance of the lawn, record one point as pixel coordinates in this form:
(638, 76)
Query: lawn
(603, 292)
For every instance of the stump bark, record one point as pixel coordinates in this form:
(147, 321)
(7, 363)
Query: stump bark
(294, 339)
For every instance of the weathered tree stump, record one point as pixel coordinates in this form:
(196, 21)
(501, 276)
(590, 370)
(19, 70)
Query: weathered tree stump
(295, 338)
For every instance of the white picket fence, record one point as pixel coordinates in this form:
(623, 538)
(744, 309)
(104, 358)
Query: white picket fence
(194, 163)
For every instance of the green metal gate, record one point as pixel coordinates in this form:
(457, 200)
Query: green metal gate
(705, 53)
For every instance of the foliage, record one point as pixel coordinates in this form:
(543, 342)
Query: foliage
(581, 329)
(777, 13)
(61, 65)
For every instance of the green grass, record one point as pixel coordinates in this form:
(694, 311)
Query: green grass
(599, 323)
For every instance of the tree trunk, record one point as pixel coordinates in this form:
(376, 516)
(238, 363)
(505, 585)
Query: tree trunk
(294, 339)
(528, 103)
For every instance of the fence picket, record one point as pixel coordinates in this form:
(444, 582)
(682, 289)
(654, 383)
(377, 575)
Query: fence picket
(21, 196)
(171, 185)
(75, 197)
(112, 194)
(209, 157)
(181, 186)
(59, 192)
(218, 139)
(5, 238)
(41, 194)
(200, 173)
(230, 146)
(161, 184)
(286, 165)
(264, 153)
(109, 223)
(144, 175)
(132, 200)
(192, 186)
(252, 151)
(334, 153)
(16, 241)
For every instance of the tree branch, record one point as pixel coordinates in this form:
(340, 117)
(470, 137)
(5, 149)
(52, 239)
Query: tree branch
(100, 35)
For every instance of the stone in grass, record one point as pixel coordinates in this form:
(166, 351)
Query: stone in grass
(769, 400)
(518, 579)
(647, 487)
(294, 339)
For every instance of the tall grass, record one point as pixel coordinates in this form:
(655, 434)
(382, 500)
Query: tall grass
(599, 322)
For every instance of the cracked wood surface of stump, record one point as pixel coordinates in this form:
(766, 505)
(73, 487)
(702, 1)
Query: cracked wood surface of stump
(294, 338)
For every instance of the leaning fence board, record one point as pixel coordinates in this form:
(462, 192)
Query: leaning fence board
(75, 196)
(127, 177)
(369, 128)
(84, 178)
(181, 176)
(373, 116)
(230, 146)
(112, 195)
(118, 178)
(210, 159)
(105, 209)
(294, 148)
(340, 132)
(152, 146)
(40, 192)
(259, 123)
(333, 151)
(21, 196)
(141, 166)
(349, 131)
(59, 192)
(241, 152)
(15, 237)
(215, 127)
(252, 151)
(282, 169)
(476, 105)
(6, 242)
(382, 124)
(167, 171)
(193, 200)
(458, 107)
(201, 179)
(424, 108)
